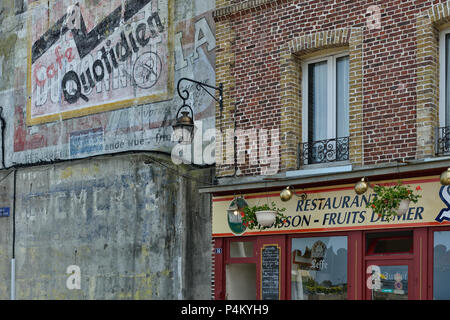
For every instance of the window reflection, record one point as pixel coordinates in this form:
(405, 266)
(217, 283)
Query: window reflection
(241, 249)
(392, 283)
(441, 265)
(319, 268)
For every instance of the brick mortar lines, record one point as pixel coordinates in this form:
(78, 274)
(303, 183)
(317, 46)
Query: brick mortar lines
(240, 8)
(385, 106)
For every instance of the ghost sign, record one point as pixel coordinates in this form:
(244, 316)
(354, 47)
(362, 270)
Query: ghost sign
(89, 58)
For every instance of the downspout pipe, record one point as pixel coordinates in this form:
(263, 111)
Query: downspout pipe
(3, 122)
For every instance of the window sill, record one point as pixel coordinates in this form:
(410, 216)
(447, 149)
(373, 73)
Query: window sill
(321, 168)
(437, 158)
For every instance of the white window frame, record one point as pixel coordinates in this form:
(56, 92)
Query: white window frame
(442, 83)
(331, 98)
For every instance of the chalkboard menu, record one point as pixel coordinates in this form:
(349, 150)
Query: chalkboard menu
(270, 273)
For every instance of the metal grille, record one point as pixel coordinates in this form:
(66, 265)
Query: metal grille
(323, 151)
(443, 141)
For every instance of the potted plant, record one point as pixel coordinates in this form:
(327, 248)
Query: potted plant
(262, 217)
(391, 201)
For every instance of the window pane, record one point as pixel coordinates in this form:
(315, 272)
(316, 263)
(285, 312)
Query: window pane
(441, 265)
(317, 100)
(241, 249)
(319, 268)
(342, 122)
(393, 283)
(389, 242)
(240, 281)
(447, 80)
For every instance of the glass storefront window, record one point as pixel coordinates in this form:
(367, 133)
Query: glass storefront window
(441, 265)
(319, 268)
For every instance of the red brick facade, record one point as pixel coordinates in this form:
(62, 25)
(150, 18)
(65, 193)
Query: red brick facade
(251, 36)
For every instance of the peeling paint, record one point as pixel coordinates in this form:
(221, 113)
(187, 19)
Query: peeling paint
(7, 46)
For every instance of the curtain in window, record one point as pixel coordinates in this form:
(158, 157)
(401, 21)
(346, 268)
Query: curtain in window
(342, 122)
(318, 98)
(447, 80)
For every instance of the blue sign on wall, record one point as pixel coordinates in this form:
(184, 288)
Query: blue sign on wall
(4, 212)
(86, 141)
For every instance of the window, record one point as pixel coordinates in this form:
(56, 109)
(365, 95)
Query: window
(385, 243)
(443, 146)
(441, 265)
(241, 249)
(444, 99)
(240, 269)
(319, 268)
(326, 109)
(241, 281)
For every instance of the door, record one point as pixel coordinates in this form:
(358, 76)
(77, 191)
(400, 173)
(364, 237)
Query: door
(254, 268)
(390, 279)
(240, 268)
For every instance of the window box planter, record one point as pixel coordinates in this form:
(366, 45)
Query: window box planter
(262, 217)
(403, 207)
(266, 218)
(391, 201)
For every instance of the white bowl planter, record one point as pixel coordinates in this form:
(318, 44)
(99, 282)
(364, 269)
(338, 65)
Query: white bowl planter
(403, 207)
(266, 218)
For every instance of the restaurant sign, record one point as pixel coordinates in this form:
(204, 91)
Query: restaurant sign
(338, 209)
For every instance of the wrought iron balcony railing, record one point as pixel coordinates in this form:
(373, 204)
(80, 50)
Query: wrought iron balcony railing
(443, 141)
(323, 151)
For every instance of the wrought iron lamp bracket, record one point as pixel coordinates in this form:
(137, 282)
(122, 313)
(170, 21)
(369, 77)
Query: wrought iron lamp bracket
(184, 94)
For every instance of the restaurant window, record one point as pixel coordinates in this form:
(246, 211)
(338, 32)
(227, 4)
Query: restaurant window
(319, 268)
(326, 109)
(441, 265)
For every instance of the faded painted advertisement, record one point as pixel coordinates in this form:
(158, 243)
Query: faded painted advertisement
(101, 78)
(93, 57)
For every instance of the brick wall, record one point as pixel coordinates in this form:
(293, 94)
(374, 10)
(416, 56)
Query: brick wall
(393, 74)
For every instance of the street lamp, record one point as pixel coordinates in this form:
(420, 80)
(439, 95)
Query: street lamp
(236, 206)
(184, 127)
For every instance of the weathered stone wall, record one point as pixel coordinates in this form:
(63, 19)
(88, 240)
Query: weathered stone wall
(135, 228)
(115, 106)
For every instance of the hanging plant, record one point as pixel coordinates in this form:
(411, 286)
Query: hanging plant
(391, 201)
(251, 216)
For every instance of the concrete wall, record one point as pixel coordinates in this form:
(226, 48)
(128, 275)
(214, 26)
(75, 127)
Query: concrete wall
(136, 231)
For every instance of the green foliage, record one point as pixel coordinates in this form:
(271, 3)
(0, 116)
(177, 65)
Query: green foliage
(388, 198)
(325, 290)
(326, 287)
(249, 216)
